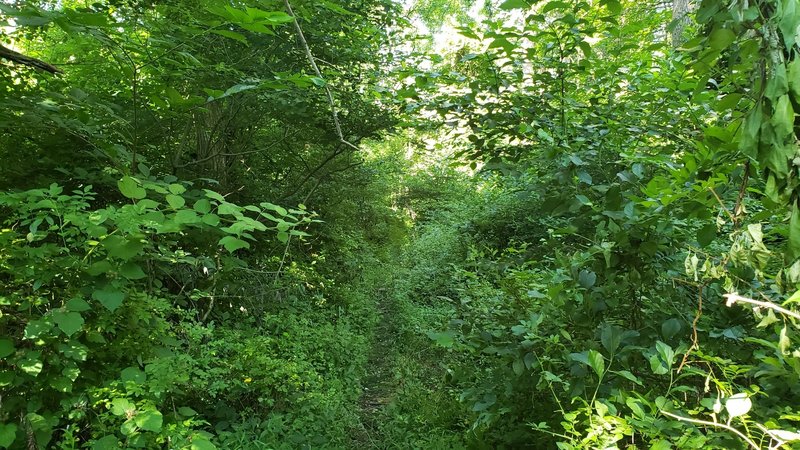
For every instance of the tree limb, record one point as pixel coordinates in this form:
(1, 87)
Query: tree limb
(334, 113)
(19, 58)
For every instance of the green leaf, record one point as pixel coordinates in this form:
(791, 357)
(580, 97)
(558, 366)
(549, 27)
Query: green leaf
(130, 188)
(134, 375)
(232, 243)
(185, 411)
(614, 6)
(231, 35)
(187, 216)
(6, 347)
(444, 339)
(721, 38)
(77, 304)
(783, 118)
(175, 201)
(584, 200)
(518, 367)
(132, 271)
(109, 442)
(610, 337)
(214, 196)
(149, 420)
(109, 297)
(36, 328)
(793, 74)
(203, 206)
(202, 443)
(176, 188)
(628, 376)
(229, 209)
(8, 433)
(557, 4)
(211, 219)
(121, 247)
(514, 4)
(596, 362)
(794, 231)
(670, 328)
(69, 322)
(587, 278)
(122, 407)
(74, 350)
(31, 364)
(707, 234)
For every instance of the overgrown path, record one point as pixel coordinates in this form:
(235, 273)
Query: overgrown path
(379, 383)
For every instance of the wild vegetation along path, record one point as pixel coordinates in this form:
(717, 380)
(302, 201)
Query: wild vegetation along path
(379, 383)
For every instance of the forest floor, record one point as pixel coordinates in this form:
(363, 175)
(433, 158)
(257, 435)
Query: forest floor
(379, 383)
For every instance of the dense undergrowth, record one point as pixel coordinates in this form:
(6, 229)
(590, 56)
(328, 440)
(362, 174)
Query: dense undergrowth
(299, 225)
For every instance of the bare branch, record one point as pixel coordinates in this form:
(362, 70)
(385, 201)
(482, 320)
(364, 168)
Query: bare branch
(734, 298)
(334, 113)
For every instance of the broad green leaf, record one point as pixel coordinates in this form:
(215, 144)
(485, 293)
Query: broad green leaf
(587, 278)
(794, 231)
(133, 374)
(584, 200)
(202, 206)
(130, 188)
(214, 196)
(31, 364)
(132, 271)
(109, 442)
(123, 248)
(611, 337)
(8, 433)
(596, 362)
(185, 411)
(721, 38)
(636, 406)
(514, 4)
(628, 376)
(278, 209)
(201, 443)
(444, 339)
(175, 201)
(77, 304)
(109, 297)
(552, 5)
(149, 420)
(614, 6)
(707, 234)
(74, 350)
(232, 243)
(122, 407)
(783, 117)
(670, 328)
(793, 74)
(229, 209)
(176, 189)
(231, 35)
(211, 219)
(69, 322)
(661, 444)
(187, 216)
(6, 347)
(36, 328)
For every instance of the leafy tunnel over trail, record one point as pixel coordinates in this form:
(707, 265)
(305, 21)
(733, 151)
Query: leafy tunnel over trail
(314, 224)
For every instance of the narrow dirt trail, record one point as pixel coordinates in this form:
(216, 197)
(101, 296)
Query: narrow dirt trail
(379, 384)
